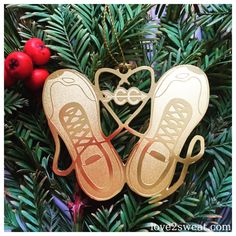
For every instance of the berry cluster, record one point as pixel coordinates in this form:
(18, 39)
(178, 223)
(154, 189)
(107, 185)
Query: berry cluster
(20, 65)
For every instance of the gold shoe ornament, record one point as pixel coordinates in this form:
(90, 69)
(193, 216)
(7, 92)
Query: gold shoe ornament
(73, 114)
(179, 101)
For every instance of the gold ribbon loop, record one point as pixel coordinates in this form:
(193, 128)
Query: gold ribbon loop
(189, 158)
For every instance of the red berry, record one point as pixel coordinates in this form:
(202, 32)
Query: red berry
(8, 81)
(18, 65)
(37, 79)
(37, 50)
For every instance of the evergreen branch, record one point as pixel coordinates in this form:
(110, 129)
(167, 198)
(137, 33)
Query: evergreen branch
(128, 215)
(54, 221)
(10, 219)
(68, 38)
(219, 15)
(219, 186)
(41, 12)
(13, 101)
(11, 36)
(106, 220)
(34, 202)
(31, 29)
(137, 215)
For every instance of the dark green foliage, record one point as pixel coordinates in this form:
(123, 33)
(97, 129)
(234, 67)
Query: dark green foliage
(185, 34)
(217, 15)
(11, 37)
(127, 215)
(13, 101)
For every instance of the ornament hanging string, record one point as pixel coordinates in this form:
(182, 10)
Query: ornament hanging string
(123, 66)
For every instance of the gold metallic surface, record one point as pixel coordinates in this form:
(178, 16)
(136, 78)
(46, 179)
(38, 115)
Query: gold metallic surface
(179, 100)
(73, 113)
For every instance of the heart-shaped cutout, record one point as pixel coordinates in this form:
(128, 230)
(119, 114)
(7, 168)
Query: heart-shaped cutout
(122, 99)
